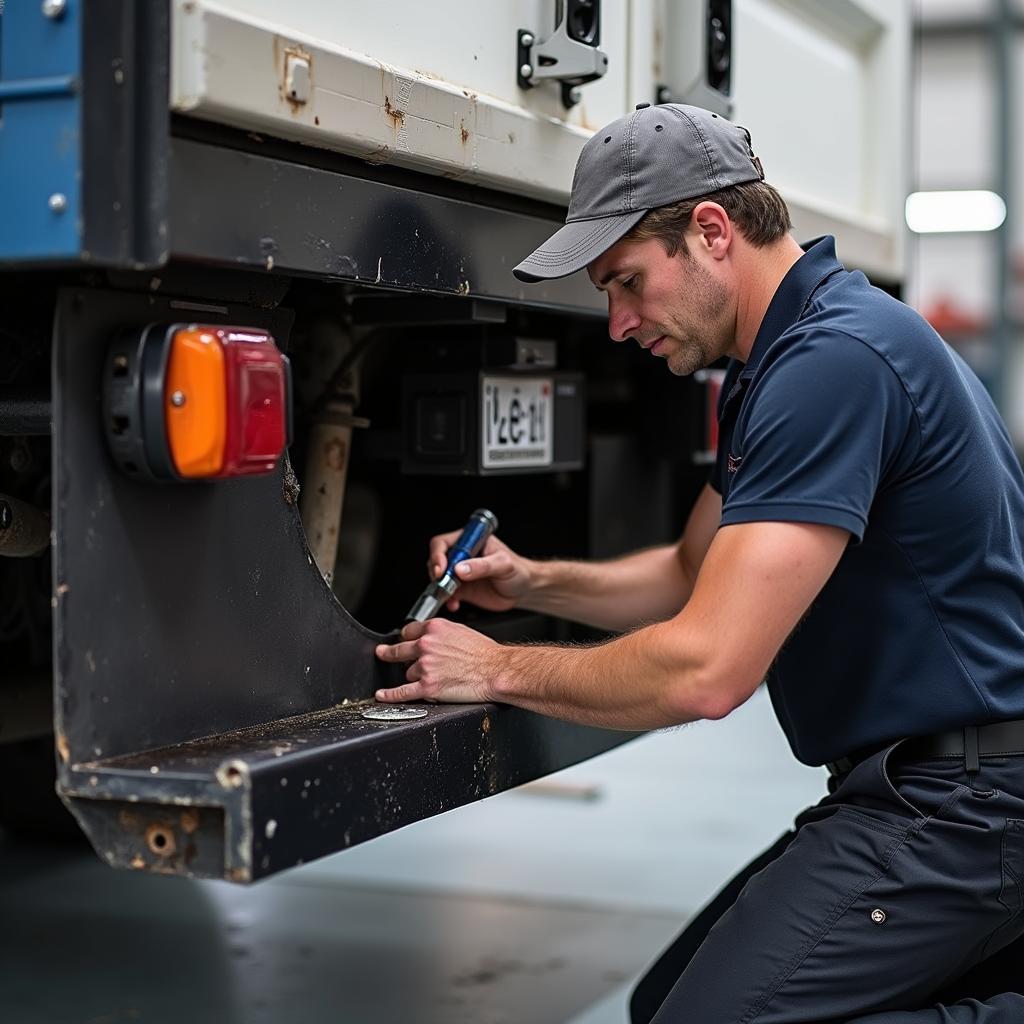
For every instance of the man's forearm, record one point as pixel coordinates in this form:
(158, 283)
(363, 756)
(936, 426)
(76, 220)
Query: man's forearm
(646, 587)
(643, 680)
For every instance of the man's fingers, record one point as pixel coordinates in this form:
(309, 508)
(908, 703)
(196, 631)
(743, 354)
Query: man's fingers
(481, 568)
(406, 651)
(413, 630)
(438, 557)
(439, 545)
(399, 694)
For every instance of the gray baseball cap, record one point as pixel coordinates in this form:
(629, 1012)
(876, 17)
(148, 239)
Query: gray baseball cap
(651, 157)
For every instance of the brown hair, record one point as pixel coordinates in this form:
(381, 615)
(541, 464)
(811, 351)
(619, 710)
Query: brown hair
(758, 211)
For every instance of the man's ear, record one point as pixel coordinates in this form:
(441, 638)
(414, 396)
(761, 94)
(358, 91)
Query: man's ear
(711, 229)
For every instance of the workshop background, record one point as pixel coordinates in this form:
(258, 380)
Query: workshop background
(543, 903)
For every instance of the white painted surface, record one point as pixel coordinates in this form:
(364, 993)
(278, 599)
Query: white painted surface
(821, 85)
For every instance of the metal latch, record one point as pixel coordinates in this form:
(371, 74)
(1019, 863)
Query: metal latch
(569, 55)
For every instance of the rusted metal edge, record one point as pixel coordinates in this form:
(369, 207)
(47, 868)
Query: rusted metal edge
(247, 805)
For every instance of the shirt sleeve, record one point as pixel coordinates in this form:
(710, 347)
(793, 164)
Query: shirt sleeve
(823, 426)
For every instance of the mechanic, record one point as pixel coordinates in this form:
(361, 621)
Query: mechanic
(859, 547)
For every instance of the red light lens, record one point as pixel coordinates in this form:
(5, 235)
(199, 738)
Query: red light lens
(257, 403)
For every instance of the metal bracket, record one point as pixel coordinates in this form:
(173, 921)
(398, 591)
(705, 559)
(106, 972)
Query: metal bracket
(568, 56)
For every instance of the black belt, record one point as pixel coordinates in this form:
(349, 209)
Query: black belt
(998, 739)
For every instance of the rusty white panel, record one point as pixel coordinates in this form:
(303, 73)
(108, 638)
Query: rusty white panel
(824, 87)
(427, 86)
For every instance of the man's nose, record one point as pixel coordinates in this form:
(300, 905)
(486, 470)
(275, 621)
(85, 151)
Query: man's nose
(623, 323)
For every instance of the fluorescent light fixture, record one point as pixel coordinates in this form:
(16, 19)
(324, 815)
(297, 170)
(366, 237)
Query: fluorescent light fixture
(966, 210)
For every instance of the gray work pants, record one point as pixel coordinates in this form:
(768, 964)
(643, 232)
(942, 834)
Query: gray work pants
(899, 899)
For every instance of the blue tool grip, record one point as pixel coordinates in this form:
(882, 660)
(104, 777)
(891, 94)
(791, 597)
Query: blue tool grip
(482, 523)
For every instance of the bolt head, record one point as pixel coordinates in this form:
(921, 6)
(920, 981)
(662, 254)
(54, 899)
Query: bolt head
(575, 94)
(54, 9)
(58, 202)
(178, 399)
(526, 70)
(526, 39)
(878, 916)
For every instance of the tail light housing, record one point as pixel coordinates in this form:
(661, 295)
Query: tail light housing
(196, 402)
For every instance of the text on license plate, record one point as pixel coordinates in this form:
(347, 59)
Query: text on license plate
(518, 422)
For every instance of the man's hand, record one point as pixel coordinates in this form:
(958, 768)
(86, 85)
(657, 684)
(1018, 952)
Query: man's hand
(450, 663)
(497, 579)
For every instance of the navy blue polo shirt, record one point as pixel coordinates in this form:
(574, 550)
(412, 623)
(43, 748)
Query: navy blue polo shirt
(852, 412)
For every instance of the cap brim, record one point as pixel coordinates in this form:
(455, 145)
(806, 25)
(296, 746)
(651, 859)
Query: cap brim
(575, 245)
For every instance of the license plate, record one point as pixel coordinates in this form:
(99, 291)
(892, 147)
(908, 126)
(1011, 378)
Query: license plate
(518, 422)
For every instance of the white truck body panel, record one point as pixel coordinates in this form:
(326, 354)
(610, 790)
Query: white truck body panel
(821, 84)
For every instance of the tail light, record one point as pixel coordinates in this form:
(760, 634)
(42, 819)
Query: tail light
(196, 402)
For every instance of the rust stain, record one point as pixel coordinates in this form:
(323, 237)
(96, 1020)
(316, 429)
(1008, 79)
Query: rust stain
(62, 748)
(486, 724)
(189, 821)
(128, 820)
(335, 453)
(137, 862)
(281, 62)
(290, 488)
(397, 116)
(316, 121)
(463, 132)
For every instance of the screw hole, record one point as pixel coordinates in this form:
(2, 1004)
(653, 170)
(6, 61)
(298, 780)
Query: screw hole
(160, 840)
(119, 425)
(607, 140)
(131, 467)
(658, 127)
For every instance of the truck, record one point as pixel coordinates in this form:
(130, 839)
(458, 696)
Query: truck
(261, 341)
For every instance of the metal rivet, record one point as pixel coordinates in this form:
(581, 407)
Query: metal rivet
(526, 70)
(576, 94)
(878, 916)
(54, 8)
(178, 399)
(527, 39)
(58, 202)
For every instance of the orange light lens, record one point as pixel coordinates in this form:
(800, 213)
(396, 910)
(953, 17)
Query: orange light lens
(195, 403)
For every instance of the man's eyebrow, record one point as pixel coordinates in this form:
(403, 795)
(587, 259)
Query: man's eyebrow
(614, 272)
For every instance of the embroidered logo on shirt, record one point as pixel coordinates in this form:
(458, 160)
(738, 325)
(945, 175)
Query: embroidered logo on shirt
(734, 462)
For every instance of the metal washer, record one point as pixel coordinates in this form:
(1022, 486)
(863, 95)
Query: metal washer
(394, 713)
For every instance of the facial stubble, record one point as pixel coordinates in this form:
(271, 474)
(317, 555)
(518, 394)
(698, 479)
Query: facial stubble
(694, 348)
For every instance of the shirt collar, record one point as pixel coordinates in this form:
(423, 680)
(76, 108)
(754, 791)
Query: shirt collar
(792, 296)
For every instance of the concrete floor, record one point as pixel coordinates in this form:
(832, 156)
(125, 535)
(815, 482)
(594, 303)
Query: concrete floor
(542, 905)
